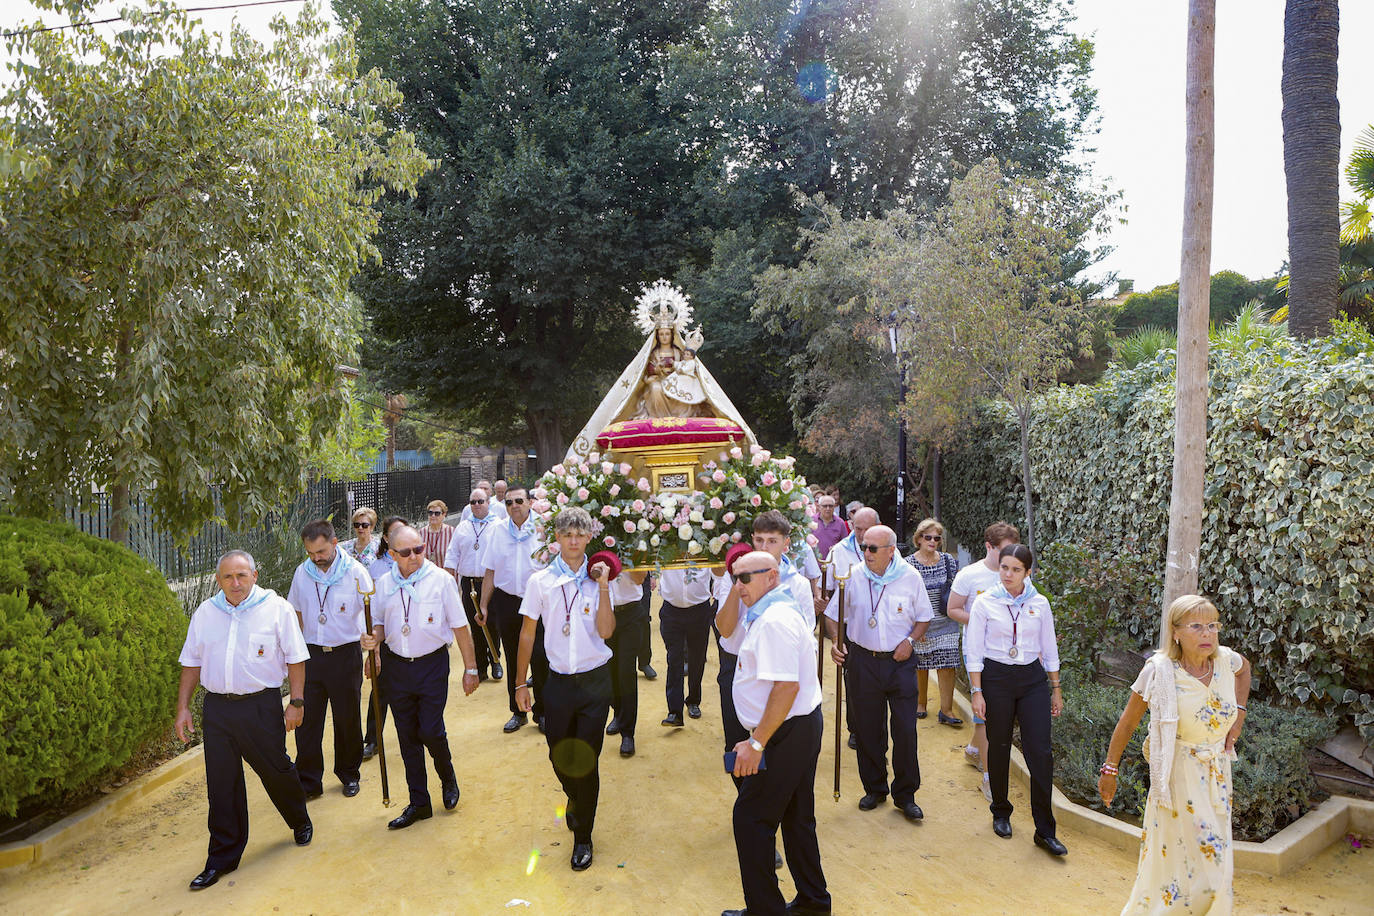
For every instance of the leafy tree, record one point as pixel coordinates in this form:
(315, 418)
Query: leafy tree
(350, 450)
(177, 257)
(1230, 292)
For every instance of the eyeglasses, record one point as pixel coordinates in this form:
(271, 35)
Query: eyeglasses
(362, 524)
(747, 577)
(931, 537)
(418, 550)
(436, 511)
(476, 502)
(874, 548)
(518, 501)
(1200, 628)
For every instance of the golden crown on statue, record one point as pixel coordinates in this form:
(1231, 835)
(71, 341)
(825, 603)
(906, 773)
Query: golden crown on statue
(662, 305)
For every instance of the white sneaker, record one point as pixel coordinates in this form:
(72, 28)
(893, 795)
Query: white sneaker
(987, 788)
(971, 756)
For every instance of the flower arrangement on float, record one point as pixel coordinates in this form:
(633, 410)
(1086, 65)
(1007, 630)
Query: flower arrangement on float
(654, 530)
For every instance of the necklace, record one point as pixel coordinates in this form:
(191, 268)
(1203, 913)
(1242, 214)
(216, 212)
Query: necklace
(323, 618)
(1206, 670)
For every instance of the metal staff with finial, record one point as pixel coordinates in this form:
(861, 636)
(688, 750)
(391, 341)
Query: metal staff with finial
(827, 565)
(839, 678)
(376, 698)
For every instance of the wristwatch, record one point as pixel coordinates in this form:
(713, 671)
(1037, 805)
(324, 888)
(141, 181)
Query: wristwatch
(912, 642)
(298, 702)
(472, 671)
(755, 745)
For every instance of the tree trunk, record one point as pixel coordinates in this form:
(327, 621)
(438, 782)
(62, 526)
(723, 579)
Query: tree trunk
(1190, 399)
(935, 484)
(1023, 418)
(1311, 162)
(547, 430)
(119, 514)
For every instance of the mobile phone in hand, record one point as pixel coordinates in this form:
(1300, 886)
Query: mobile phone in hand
(730, 762)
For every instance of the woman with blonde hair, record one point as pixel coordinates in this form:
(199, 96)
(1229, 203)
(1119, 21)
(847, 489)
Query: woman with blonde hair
(362, 547)
(1196, 690)
(938, 651)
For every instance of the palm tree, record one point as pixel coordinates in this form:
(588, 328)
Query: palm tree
(1311, 161)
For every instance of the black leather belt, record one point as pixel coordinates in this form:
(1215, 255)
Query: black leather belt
(235, 697)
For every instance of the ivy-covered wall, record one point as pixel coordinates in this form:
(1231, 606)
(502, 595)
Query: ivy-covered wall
(1288, 532)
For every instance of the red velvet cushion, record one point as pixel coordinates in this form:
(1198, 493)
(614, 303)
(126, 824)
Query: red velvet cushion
(668, 431)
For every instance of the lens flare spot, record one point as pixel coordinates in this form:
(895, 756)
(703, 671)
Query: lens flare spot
(815, 81)
(560, 812)
(534, 860)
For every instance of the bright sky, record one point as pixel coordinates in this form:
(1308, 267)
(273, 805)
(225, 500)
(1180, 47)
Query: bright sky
(1139, 76)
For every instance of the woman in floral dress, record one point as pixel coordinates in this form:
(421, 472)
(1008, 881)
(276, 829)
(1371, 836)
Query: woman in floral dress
(939, 650)
(1195, 690)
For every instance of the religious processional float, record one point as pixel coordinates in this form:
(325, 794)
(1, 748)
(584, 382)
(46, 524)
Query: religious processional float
(668, 469)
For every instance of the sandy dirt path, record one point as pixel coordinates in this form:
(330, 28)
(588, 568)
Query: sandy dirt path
(663, 841)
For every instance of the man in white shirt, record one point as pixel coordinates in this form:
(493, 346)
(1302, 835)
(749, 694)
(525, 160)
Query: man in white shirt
(329, 607)
(777, 698)
(418, 617)
(464, 563)
(572, 602)
(507, 564)
(886, 610)
(969, 583)
(684, 620)
(631, 628)
(239, 646)
(847, 557)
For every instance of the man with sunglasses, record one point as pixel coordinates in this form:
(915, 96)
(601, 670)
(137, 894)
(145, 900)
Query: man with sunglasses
(846, 558)
(830, 528)
(777, 698)
(886, 611)
(419, 616)
(464, 562)
(507, 563)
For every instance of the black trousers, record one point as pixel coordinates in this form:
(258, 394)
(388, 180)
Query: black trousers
(735, 732)
(575, 723)
(333, 678)
(238, 729)
(685, 631)
(1020, 694)
(626, 643)
(646, 644)
(488, 656)
(417, 690)
(782, 795)
(504, 616)
(885, 689)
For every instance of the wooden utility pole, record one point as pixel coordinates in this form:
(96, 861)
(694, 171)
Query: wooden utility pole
(1194, 294)
(395, 407)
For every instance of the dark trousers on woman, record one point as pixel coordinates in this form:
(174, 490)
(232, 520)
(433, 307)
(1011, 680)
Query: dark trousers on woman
(417, 690)
(504, 615)
(782, 795)
(488, 656)
(333, 679)
(1020, 694)
(237, 729)
(884, 688)
(685, 631)
(625, 644)
(575, 727)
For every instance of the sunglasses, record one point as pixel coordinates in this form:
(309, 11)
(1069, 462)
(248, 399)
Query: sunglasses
(874, 548)
(436, 511)
(362, 524)
(518, 501)
(418, 550)
(931, 537)
(747, 577)
(476, 502)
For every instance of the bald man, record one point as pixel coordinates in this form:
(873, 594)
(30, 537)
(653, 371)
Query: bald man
(848, 558)
(777, 699)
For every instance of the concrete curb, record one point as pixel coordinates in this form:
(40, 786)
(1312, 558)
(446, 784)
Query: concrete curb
(85, 823)
(1284, 852)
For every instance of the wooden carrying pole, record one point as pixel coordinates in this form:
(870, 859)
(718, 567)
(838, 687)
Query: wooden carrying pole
(839, 681)
(492, 647)
(376, 702)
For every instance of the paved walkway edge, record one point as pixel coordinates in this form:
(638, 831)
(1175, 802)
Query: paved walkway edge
(81, 825)
(1284, 852)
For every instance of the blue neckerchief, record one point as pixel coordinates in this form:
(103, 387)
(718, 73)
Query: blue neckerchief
(893, 572)
(778, 593)
(256, 596)
(852, 543)
(785, 567)
(561, 567)
(999, 591)
(408, 583)
(520, 534)
(334, 575)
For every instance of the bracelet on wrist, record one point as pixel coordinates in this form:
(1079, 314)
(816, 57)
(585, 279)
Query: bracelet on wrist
(1108, 769)
(1240, 707)
(975, 690)
(472, 671)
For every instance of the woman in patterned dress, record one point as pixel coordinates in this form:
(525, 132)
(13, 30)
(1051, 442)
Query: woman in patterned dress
(1196, 690)
(939, 650)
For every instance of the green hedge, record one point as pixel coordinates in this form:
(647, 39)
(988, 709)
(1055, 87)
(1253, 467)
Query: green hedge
(1286, 543)
(89, 636)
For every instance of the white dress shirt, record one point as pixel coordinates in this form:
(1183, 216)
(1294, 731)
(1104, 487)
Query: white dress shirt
(990, 630)
(247, 650)
(340, 604)
(511, 561)
(495, 510)
(893, 608)
(685, 588)
(778, 647)
(625, 590)
(795, 583)
(562, 601)
(844, 559)
(805, 560)
(465, 550)
(431, 613)
(973, 580)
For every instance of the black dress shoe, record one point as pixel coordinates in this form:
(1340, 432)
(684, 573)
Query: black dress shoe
(912, 811)
(950, 720)
(1051, 845)
(208, 877)
(369, 751)
(734, 913)
(853, 741)
(451, 795)
(627, 745)
(410, 815)
(582, 856)
(613, 727)
(1002, 827)
(674, 719)
(694, 712)
(304, 833)
(314, 794)
(515, 723)
(648, 672)
(351, 789)
(870, 801)
(541, 726)
(799, 907)
(496, 672)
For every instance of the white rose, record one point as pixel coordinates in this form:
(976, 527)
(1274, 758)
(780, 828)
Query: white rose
(645, 524)
(642, 546)
(696, 516)
(653, 541)
(685, 532)
(694, 548)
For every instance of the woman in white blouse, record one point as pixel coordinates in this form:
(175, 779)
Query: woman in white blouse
(1013, 671)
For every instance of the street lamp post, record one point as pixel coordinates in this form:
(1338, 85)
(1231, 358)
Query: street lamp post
(900, 526)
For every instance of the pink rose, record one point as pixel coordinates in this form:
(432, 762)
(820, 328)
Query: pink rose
(539, 492)
(716, 503)
(794, 505)
(758, 459)
(558, 470)
(756, 500)
(554, 547)
(665, 527)
(736, 453)
(629, 527)
(755, 449)
(608, 541)
(562, 499)
(787, 485)
(741, 482)
(728, 518)
(718, 476)
(812, 540)
(607, 467)
(724, 457)
(582, 494)
(615, 489)
(765, 453)
(625, 468)
(769, 478)
(540, 505)
(637, 505)
(734, 538)
(643, 484)
(584, 469)
(606, 511)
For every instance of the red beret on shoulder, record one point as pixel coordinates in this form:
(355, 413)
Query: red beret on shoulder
(734, 553)
(611, 560)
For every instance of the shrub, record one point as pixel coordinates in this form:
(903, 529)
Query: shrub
(89, 636)
(1098, 604)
